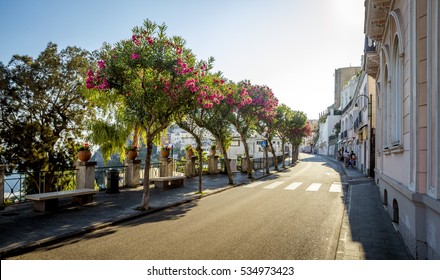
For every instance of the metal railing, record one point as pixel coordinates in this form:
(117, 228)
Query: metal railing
(101, 176)
(18, 185)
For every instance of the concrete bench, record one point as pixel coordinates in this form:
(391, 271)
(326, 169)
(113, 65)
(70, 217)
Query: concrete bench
(168, 182)
(49, 201)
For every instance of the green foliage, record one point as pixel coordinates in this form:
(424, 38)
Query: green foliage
(42, 102)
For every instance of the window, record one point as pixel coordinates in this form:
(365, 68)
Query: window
(385, 112)
(396, 97)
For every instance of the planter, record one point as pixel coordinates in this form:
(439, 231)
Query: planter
(164, 153)
(84, 156)
(189, 153)
(132, 154)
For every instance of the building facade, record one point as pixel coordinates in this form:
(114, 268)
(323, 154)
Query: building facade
(342, 75)
(403, 36)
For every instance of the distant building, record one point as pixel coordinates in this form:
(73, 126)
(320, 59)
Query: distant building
(342, 75)
(327, 132)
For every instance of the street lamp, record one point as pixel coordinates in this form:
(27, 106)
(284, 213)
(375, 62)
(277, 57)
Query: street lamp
(370, 132)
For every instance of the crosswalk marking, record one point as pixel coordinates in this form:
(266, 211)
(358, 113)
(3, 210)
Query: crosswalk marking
(336, 187)
(314, 187)
(253, 184)
(293, 186)
(273, 185)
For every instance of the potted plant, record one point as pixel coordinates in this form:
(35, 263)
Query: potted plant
(132, 152)
(84, 153)
(213, 149)
(189, 150)
(165, 151)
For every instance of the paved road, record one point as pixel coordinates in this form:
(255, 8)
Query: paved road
(295, 214)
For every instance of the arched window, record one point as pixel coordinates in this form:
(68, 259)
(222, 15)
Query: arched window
(385, 108)
(395, 125)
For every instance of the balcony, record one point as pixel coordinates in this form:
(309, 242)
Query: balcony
(376, 14)
(371, 58)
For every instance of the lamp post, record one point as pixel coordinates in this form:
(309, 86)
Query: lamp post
(370, 133)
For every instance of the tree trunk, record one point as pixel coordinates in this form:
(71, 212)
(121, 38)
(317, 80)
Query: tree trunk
(248, 158)
(137, 133)
(275, 160)
(200, 153)
(266, 154)
(282, 151)
(227, 163)
(294, 154)
(146, 184)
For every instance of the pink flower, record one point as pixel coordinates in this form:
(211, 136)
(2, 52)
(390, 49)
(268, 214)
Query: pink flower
(101, 64)
(150, 41)
(136, 40)
(135, 56)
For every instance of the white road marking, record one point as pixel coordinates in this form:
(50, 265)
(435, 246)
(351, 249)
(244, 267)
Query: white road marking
(293, 186)
(314, 187)
(336, 187)
(253, 184)
(273, 185)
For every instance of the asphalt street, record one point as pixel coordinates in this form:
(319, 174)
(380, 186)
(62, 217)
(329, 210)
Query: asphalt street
(295, 214)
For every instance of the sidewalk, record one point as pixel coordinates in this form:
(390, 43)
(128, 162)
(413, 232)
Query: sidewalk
(367, 232)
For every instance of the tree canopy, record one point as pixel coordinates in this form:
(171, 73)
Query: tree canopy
(42, 108)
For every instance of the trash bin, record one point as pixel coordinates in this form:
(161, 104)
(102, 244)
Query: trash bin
(113, 181)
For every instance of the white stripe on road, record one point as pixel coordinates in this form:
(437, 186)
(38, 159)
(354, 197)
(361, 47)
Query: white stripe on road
(314, 187)
(273, 185)
(293, 186)
(336, 187)
(253, 184)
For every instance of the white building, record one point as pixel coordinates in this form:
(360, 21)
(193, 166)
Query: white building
(326, 131)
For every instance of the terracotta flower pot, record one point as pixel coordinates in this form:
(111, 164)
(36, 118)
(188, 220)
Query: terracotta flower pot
(84, 156)
(164, 153)
(132, 154)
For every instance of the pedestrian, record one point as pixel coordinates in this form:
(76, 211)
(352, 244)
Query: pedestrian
(346, 157)
(352, 159)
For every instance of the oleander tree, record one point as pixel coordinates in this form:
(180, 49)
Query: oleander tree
(152, 76)
(185, 117)
(265, 126)
(250, 105)
(284, 115)
(213, 106)
(299, 128)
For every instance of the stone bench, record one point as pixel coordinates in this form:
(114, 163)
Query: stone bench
(49, 201)
(168, 182)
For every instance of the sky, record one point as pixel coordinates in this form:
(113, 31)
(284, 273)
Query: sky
(291, 46)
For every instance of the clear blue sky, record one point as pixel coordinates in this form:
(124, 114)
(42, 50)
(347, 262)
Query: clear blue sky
(292, 46)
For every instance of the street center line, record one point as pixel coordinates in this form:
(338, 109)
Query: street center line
(314, 187)
(293, 186)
